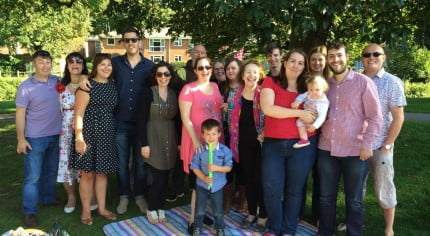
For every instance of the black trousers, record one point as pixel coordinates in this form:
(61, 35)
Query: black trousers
(156, 191)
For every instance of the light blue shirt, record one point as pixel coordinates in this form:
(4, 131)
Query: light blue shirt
(391, 94)
(222, 157)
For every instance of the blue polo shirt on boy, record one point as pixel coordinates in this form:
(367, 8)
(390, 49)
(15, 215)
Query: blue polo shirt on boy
(222, 157)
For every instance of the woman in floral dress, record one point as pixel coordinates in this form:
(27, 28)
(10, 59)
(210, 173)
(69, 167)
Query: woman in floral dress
(75, 69)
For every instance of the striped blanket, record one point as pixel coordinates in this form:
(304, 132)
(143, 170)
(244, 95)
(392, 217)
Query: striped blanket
(177, 225)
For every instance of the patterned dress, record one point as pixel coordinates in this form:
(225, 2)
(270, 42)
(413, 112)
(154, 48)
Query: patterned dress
(99, 131)
(65, 174)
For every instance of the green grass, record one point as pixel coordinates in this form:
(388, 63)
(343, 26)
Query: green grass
(7, 107)
(412, 180)
(418, 105)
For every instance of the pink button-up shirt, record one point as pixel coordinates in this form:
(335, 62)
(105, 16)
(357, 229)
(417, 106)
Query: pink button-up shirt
(354, 119)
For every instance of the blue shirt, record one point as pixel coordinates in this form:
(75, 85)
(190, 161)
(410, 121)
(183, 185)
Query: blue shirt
(222, 157)
(131, 83)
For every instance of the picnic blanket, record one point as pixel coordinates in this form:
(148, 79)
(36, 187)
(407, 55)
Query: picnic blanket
(178, 223)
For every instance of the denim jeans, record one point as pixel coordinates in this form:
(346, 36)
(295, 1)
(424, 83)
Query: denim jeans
(284, 173)
(354, 171)
(40, 172)
(202, 195)
(128, 142)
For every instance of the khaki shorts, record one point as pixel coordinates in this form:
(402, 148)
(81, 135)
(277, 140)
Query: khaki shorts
(382, 169)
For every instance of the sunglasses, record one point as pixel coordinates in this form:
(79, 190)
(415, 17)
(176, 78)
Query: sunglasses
(160, 74)
(127, 40)
(76, 60)
(374, 54)
(201, 68)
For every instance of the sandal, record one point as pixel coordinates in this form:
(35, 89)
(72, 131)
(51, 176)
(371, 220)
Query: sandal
(161, 216)
(109, 216)
(87, 221)
(152, 216)
(261, 224)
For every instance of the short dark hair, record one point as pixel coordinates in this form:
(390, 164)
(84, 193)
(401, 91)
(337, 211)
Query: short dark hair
(335, 44)
(210, 124)
(41, 53)
(130, 29)
(272, 46)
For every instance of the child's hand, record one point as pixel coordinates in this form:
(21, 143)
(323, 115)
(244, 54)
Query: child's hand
(295, 104)
(208, 180)
(212, 168)
(224, 107)
(310, 128)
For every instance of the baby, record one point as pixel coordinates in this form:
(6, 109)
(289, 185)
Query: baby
(315, 99)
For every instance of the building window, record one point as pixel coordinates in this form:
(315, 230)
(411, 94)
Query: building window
(177, 42)
(157, 59)
(156, 45)
(178, 58)
(111, 41)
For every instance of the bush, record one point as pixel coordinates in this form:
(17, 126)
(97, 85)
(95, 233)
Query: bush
(8, 87)
(410, 64)
(8, 64)
(417, 90)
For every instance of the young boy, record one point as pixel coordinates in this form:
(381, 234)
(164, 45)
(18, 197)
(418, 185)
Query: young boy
(207, 187)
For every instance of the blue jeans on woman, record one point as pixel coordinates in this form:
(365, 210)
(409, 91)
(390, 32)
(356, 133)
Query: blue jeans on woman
(354, 172)
(127, 140)
(40, 172)
(284, 173)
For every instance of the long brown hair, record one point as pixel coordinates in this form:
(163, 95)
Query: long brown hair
(282, 79)
(323, 50)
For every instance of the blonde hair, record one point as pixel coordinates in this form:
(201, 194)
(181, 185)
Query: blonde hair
(317, 79)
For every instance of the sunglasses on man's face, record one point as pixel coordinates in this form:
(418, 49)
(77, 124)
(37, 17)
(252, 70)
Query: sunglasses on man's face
(160, 74)
(76, 60)
(374, 54)
(127, 40)
(201, 68)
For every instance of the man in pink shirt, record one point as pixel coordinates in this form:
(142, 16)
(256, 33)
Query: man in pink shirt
(345, 145)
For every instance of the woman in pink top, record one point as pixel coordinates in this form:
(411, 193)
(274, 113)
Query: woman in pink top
(198, 101)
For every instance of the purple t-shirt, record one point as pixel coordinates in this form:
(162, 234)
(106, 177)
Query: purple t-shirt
(42, 104)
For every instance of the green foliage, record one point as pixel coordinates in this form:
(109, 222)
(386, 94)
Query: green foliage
(417, 90)
(10, 63)
(8, 87)
(410, 64)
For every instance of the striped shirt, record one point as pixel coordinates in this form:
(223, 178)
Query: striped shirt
(354, 105)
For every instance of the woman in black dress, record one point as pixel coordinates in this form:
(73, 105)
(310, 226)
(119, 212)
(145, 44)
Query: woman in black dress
(95, 153)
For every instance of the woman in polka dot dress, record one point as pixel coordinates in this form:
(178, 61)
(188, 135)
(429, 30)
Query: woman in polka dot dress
(94, 149)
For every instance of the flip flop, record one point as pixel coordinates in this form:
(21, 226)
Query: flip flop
(87, 221)
(109, 216)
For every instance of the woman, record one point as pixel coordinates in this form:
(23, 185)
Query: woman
(285, 168)
(75, 69)
(198, 101)
(219, 73)
(157, 124)
(317, 66)
(246, 134)
(229, 90)
(95, 153)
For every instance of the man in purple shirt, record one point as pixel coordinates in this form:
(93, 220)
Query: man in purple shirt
(346, 141)
(392, 99)
(38, 124)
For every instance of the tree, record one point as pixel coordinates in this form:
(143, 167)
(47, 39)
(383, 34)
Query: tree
(59, 26)
(296, 23)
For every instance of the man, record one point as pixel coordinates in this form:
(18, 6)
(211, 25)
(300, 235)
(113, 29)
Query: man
(132, 74)
(345, 145)
(38, 124)
(273, 53)
(197, 52)
(392, 99)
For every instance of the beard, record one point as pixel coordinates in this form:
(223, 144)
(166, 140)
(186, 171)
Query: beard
(338, 71)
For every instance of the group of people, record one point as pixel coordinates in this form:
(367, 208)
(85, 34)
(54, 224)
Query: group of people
(234, 127)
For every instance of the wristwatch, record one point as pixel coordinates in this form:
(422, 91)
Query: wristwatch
(387, 146)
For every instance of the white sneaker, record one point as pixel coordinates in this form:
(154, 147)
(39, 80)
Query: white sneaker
(122, 206)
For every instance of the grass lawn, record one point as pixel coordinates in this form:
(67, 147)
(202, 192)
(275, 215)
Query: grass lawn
(418, 105)
(412, 179)
(7, 107)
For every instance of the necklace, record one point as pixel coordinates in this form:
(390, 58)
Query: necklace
(73, 85)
